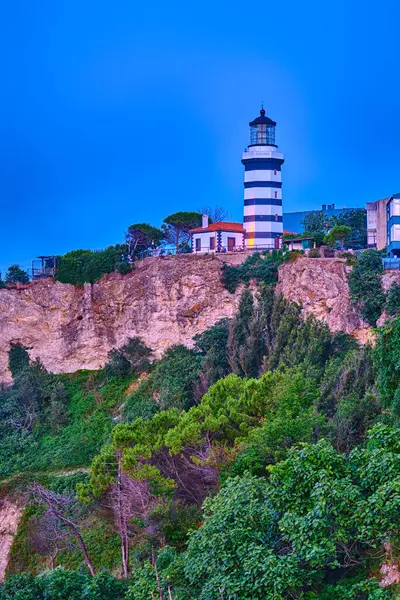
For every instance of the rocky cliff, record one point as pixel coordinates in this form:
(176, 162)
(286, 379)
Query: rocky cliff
(165, 301)
(320, 286)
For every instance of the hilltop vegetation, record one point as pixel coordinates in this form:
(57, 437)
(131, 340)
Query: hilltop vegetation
(263, 463)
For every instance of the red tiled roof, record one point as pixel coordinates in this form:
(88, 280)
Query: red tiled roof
(220, 226)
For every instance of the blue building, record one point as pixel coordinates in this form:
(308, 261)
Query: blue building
(393, 226)
(262, 186)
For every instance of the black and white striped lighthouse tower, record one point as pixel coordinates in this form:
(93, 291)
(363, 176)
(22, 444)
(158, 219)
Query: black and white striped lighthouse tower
(262, 186)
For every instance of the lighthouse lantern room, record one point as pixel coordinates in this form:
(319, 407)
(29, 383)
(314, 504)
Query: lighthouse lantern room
(262, 186)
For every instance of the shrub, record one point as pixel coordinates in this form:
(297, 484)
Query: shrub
(366, 287)
(351, 258)
(387, 361)
(263, 268)
(393, 300)
(132, 359)
(212, 345)
(314, 253)
(18, 358)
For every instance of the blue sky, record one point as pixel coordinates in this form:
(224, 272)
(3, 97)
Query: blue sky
(119, 112)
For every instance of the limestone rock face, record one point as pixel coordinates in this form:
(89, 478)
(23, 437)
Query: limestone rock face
(164, 301)
(389, 278)
(320, 286)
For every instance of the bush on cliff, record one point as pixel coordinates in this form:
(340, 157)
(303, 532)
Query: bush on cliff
(365, 285)
(133, 358)
(393, 300)
(263, 268)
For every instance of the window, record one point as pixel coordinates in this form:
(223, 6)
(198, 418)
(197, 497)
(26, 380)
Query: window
(395, 233)
(395, 207)
(276, 194)
(276, 217)
(212, 243)
(198, 244)
(274, 171)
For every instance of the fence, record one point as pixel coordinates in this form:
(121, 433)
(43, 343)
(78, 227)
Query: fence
(223, 249)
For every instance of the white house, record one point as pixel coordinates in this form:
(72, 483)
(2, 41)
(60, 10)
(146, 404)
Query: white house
(223, 236)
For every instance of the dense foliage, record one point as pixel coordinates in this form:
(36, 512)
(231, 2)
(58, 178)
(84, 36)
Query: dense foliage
(317, 224)
(263, 268)
(133, 358)
(176, 228)
(366, 287)
(87, 266)
(262, 463)
(141, 237)
(393, 300)
(15, 274)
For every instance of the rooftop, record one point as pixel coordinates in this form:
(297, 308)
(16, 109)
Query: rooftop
(262, 120)
(220, 226)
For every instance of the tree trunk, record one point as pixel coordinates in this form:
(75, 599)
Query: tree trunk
(81, 543)
(123, 525)
(160, 592)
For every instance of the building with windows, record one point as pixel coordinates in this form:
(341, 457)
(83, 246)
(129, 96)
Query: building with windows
(223, 236)
(377, 224)
(262, 186)
(393, 226)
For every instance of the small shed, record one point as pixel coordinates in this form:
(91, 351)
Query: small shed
(299, 243)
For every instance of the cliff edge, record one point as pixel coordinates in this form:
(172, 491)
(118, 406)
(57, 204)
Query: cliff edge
(164, 301)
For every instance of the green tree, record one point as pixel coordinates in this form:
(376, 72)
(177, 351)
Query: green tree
(175, 377)
(62, 584)
(356, 219)
(387, 361)
(212, 345)
(315, 224)
(320, 511)
(176, 228)
(142, 236)
(172, 383)
(18, 358)
(393, 300)
(16, 275)
(338, 233)
(86, 266)
(243, 345)
(365, 285)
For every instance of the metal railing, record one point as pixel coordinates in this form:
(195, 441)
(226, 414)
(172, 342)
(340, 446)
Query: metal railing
(391, 263)
(235, 249)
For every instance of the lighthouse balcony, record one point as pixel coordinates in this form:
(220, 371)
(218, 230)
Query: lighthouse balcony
(261, 152)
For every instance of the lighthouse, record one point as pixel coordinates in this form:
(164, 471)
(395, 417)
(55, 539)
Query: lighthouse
(262, 186)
